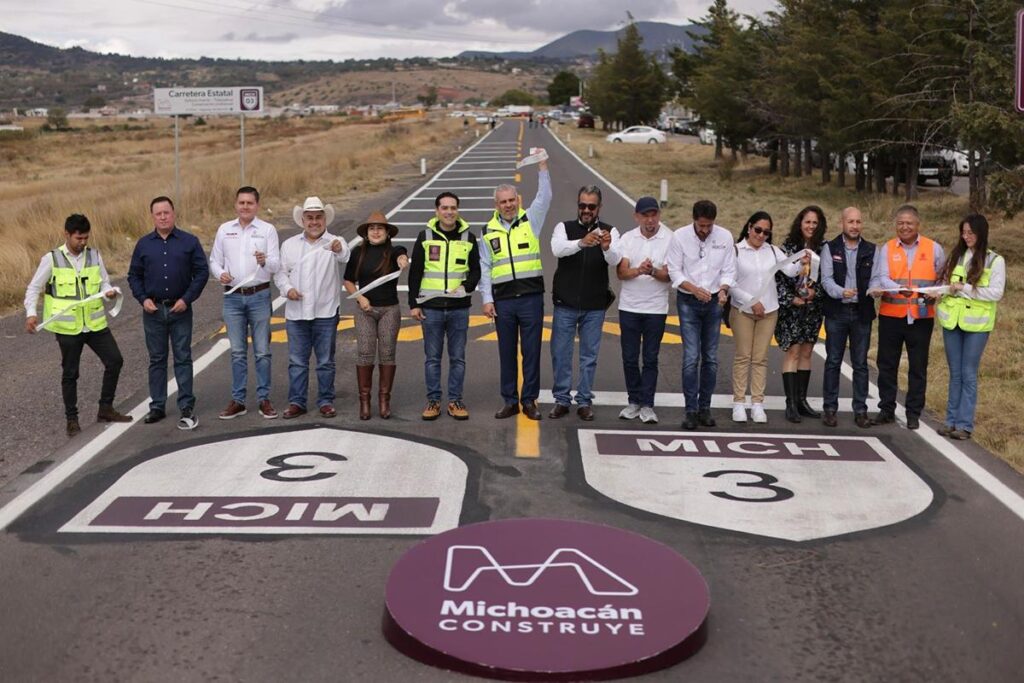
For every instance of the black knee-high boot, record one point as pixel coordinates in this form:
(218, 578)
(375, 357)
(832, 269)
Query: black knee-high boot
(802, 405)
(789, 383)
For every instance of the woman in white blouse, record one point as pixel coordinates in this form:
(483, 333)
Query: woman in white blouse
(755, 306)
(977, 278)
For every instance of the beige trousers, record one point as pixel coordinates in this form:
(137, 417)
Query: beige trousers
(752, 338)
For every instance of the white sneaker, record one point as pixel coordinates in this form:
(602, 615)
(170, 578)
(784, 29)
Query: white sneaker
(630, 412)
(648, 416)
(757, 413)
(739, 412)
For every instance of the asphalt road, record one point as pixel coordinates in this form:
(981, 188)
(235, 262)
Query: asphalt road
(894, 562)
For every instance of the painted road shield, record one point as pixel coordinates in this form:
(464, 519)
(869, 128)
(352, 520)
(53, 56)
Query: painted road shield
(306, 481)
(797, 488)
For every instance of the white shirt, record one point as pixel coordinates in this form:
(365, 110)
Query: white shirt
(45, 270)
(645, 293)
(562, 246)
(752, 267)
(709, 264)
(313, 270)
(233, 250)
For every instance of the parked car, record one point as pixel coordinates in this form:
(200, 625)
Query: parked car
(585, 121)
(483, 119)
(706, 135)
(934, 165)
(686, 127)
(638, 134)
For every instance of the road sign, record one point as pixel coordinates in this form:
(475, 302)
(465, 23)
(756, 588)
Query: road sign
(308, 481)
(533, 599)
(208, 101)
(797, 488)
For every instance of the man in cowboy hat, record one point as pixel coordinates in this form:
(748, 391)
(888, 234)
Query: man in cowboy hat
(311, 282)
(446, 265)
(512, 289)
(379, 316)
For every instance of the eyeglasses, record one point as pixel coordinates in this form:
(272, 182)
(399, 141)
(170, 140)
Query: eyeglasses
(587, 207)
(761, 231)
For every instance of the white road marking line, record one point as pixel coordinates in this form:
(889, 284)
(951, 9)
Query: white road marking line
(55, 477)
(676, 400)
(461, 199)
(461, 211)
(975, 472)
(486, 177)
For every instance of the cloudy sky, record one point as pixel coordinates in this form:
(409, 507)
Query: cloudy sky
(328, 29)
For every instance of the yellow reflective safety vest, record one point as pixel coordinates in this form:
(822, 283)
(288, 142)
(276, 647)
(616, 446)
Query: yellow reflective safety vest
(515, 257)
(68, 286)
(970, 315)
(446, 262)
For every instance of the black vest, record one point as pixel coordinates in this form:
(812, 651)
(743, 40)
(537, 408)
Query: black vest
(865, 260)
(581, 280)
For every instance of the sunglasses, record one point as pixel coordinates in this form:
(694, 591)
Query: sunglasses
(761, 231)
(587, 207)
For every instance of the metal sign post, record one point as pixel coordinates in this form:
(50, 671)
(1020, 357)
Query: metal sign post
(241, 129)
(177, 165)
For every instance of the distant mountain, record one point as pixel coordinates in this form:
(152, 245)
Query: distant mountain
(657, 36)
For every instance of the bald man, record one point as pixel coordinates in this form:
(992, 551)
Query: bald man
(846, 264)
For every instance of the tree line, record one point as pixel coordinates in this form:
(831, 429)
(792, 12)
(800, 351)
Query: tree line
(875, 82)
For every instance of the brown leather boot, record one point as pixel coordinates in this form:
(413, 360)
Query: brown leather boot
(364, 375)
(108, 414)
(387, 378)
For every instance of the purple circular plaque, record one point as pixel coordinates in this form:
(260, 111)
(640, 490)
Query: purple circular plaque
(545, 599)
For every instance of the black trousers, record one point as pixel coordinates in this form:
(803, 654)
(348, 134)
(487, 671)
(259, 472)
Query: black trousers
(893, 335)
(103, 345)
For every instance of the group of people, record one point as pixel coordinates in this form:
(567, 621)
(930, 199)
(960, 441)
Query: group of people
(759, 290)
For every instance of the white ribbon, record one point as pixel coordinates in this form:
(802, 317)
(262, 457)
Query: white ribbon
(241, 284)
(537, 155)
(113, 312)
(934, 290)
(779, 265)
(384, 279)
(457, 293)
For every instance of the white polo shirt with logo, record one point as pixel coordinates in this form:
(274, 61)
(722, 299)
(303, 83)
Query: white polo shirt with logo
(645, 293)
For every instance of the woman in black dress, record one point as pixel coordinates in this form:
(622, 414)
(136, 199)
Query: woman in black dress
(378, 317)
(800, 313)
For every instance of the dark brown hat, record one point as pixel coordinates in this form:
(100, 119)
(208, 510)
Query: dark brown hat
(377, 218)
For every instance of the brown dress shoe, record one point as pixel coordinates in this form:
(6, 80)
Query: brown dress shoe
(585, 413)
(73, 427)
(559, 411)
(267, 409)
(508, 410)
(328, 411)
(292, 411)
(829, 418)
(108, 414)
(531, 410)
(234, 409)
(862, 420)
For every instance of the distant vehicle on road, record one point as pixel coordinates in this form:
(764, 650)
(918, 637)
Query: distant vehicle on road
(638, 134)
(706, 135)
(934, 165)
(585, 121)
(480, 118)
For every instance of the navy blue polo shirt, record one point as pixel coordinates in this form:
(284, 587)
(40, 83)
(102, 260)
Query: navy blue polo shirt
(173, 268)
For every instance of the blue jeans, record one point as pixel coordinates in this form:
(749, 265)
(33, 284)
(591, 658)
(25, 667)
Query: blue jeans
(699, 324)
(566, 323)
(306, 336)
(160, 327)
(243, 313)
(846, 325)
(520, 320)
(963, 353)
(641, 331)
(440, 323)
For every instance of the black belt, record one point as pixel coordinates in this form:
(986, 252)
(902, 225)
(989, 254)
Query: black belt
(246, 291)
(165, 302)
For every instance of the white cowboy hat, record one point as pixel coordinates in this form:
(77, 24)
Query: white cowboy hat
(313, 204)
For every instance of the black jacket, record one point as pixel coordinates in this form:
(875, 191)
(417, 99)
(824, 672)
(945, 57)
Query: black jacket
(581, 280)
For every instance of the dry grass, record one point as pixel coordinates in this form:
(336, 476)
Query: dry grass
(693, 174)
(110, 176)
(375, 87)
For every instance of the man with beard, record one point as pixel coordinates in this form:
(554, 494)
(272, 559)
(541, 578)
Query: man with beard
(585, 248)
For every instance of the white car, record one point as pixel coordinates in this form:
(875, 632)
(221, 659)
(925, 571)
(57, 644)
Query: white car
(638, 134)
(706, 135)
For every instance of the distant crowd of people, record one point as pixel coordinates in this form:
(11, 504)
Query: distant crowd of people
(757, 289)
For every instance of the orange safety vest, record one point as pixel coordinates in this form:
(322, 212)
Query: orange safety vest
(920, 273)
